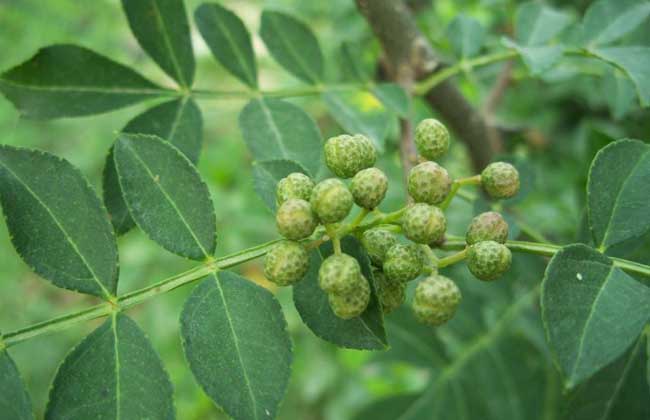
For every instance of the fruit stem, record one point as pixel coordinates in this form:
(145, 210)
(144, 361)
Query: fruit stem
(384, 219)
(335, 236)
(455, 186)
(452, 259)
(431, 264)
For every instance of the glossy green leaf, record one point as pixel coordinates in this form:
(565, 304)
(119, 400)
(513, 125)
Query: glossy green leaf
(536, 23)
(592, 311)
(165, 195)
(466, 35)
(618, 191)
(634, 61)
(237, 345)
(177, 121)
(608, 20)
(537, 58)
(619, 93)
(229, 41)
(393, 97)
(163, 31)
(56, 222)
(293, 45)
(275, 129)
(114, 373)
(267, 174)
(71, 81)
(365, 332)
(15, 403)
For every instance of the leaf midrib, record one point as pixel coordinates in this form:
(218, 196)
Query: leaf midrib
(268, 116)
(88, 89)
(118, 406)
(167, 42)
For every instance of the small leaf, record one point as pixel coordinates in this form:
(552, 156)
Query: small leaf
(351, 64)
(466, 35)
(608, 20)
(393, 97)
(536, 24)
(619, 93)
(267, 174)
(365, 332)
(166, 196)
(634, 61)
(72, 81)
(236, 343)
(114, 373)
(229, 41)
(618, 191)
(592, 311)
(537, 58)
(293, 45)
(275, 129)
(177, 121)
(56, 222)
(163, 31)
(15, 403)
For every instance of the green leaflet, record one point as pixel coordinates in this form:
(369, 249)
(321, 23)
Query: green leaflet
(536, 24)
(634, 61)
(620, 94)
(114, 373)
(15, 403)
(267, 174)
(163, 31)
(228, 40)
(278, 130)
(293, 45)
(592, 311)
(537, 58)
(237, 345)
(608, 20)
(166, 196)
(365, 332)
(177, 121)
(71, 81)
(393, 97)
(618, 191)
(466, 35)
(351, 63)
(56, 222)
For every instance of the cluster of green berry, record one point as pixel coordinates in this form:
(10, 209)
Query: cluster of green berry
(303, 205)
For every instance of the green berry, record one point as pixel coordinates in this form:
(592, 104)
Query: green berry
(436, 300)
(351, 304)
(368, 188)
(403, 263)
(500, 180)
(286, 263)
(339, 274)
(488, 226)
(377, 242)
(424, 224)
(391, 294)
(431, 139)
(429, 183)
(488, 260)
(295, 219)
(331, 200)
(294, 185)
(346, 155)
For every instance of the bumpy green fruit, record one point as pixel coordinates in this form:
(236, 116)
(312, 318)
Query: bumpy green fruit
(431, 139)
(286, 263)
(488, 226)
(295, 219)
(500, 180)
(391, 294)
(331, 200)
(403, 263)
(351, 304)
(424, 224)
(339, 274)
(346, 155)
(436, 300)
(429, 183)
(377, 242)
(294, 185)
(487, 260)
(368, 188)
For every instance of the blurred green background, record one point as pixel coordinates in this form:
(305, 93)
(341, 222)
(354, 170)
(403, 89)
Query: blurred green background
(555, 128)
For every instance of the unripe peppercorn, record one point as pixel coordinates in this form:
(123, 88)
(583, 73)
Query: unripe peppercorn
(423, 223)
(295, 219)
(286, 263)
(431, 139)
(352, 303)
(331, 200)
(368, 188)
(500, 180)
(403, 263)
(428, 183)
(346, 155)
(488, 260)
(488, 226)
(436, 300)
(391, 294)
(294, 185)
(377, 242)
(339, 274)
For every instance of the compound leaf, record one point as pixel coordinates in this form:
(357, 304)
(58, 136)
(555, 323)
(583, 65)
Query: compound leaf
(634, 62)
(536, 24)
(267, 174)
(608, 20)
(466, 35)
(15, 403)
